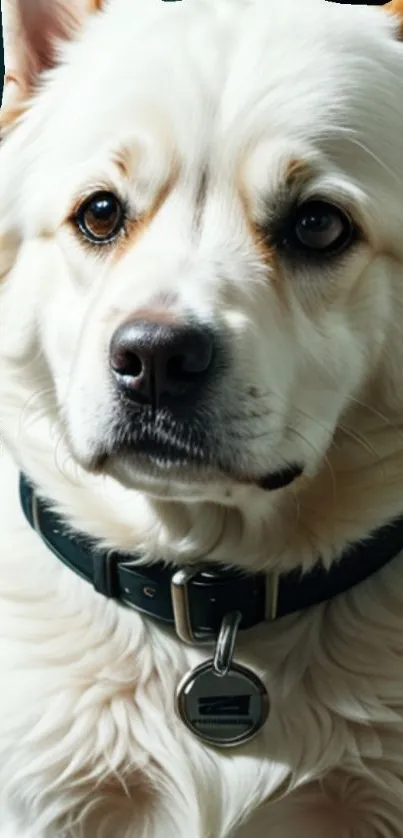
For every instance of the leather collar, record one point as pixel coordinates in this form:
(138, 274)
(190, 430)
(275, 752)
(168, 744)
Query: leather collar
(196, 599)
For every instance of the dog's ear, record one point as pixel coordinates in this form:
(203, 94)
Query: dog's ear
(32, 30)
(395, 7)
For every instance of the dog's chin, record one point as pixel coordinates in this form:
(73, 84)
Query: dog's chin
(182, 478)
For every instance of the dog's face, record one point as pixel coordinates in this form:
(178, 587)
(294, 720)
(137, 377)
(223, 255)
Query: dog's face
(207, 199)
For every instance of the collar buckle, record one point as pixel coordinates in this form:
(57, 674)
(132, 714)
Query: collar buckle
(272, 592)
(181, 606)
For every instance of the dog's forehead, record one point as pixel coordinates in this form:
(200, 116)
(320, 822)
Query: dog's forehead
(216, 73)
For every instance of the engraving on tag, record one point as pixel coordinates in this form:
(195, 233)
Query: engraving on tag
(224, 705)
(223, 710)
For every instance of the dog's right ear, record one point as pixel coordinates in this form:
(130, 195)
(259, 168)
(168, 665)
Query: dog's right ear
(395, 7)
(32, 32)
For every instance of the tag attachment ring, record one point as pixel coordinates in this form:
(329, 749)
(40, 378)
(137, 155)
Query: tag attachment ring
(225, 646)
(223, 703)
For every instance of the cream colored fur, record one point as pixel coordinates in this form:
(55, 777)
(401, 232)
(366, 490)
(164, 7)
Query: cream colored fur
(90, 746)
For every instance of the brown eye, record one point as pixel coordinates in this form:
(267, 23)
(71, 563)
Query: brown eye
(101, 217)
(319, 227)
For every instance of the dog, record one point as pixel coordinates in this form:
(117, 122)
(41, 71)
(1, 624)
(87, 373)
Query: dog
(201, 404)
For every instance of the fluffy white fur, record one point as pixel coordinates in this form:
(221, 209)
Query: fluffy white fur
(89, 742)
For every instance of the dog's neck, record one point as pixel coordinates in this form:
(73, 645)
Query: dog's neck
(358, 487)
(166, 592)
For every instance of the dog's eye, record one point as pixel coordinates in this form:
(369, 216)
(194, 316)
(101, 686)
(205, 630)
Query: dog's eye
(320, 227)
(101, 217)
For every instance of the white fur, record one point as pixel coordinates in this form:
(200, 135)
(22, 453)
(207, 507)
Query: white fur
(89, 742)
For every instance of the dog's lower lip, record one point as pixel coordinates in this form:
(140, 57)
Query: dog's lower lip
(280, 479)
(159, 466)
(172, 456)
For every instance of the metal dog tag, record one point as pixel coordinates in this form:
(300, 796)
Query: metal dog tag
(221, 702)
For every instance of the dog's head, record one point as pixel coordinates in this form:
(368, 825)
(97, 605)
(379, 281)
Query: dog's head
(201, 237)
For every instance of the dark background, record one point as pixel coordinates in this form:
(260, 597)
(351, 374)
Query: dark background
(369, 3)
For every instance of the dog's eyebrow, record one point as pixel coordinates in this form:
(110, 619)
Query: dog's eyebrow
(122, 159)
(126, 159)
(298, 172)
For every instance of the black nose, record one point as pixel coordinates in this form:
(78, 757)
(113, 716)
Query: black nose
(152, 360)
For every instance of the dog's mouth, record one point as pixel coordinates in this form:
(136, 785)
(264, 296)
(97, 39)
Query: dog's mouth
(185, 453)
(281, 478)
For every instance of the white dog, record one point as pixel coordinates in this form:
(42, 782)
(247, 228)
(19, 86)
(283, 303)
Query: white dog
(201, 366)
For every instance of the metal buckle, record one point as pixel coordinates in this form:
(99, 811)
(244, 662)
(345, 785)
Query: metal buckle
(181, 606)
(272, 588)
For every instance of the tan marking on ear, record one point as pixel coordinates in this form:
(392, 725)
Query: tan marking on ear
(10, 77)
(14, 104)
(30, 45)
(10, 114)
(395, 7)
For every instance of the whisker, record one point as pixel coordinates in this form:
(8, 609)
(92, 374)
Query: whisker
(360, 439)
(387, 421)
(323, 457)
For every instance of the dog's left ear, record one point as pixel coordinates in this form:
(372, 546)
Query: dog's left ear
(32, 32)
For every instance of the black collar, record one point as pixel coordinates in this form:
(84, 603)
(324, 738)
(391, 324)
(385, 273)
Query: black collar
(195, 600)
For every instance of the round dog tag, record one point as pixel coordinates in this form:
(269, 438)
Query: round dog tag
(223, 710)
